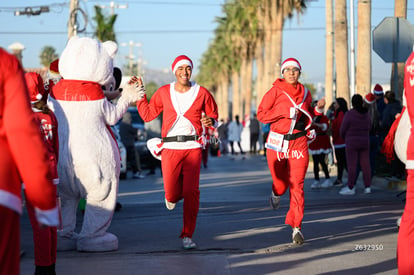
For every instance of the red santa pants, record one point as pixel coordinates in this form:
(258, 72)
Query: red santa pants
(10, 241)
(181, 172)
(44, 239)
(288, 170)
(406, 232)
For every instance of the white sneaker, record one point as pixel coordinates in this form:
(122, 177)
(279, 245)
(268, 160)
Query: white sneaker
(188, 243)
(347, 191)
(169, 205)
(367, 190)
(327, 183)
(274, 201)
(138, 175)
(316, 184)
(297, 236)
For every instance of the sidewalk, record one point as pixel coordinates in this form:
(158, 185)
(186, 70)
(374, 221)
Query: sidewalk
(238, 233)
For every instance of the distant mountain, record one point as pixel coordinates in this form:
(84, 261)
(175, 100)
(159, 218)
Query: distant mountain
(160, 77)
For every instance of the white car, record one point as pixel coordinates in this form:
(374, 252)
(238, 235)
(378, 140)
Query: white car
(122, 151)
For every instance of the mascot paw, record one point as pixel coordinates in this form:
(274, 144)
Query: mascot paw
(66, 243)
(104, 243)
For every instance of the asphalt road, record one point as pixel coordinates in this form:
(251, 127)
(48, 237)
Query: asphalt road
(237, 231)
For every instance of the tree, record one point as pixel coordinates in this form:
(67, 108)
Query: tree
(104, 26)
(329, 62)
(400, 10)
(363, 67)
(341, 50)
(47, 55)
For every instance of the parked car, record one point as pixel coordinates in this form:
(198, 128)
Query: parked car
(122, 152)
(143, 134)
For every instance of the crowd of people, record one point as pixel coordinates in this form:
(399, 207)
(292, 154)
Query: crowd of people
(289, 126)
(337, 136)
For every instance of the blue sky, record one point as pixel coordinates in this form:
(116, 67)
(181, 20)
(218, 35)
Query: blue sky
(168, 28)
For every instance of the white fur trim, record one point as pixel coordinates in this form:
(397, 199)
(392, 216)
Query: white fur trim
(409, 165)
(289, 63)
(182, 62)
(155, 147)
(48, 217)
(11, 201)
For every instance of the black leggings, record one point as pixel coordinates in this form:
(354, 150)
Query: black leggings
(320, 159)
(340, 161)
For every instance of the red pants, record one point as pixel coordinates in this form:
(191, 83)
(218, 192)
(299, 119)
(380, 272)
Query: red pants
(44, 239)
(406, 234)
(288, 170)
(10, 241)
(181, 172)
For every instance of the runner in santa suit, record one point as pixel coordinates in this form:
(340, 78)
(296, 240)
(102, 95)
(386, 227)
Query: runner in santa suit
(406, 232)
(182, 103)
(287, 107)
(23, 158)
(44, 238)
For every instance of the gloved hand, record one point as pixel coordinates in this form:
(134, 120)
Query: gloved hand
(134, 90)
(139, 85)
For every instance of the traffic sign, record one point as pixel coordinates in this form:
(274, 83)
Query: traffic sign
(393, 39)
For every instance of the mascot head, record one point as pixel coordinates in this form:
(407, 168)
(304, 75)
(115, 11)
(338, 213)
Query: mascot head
(88, 59)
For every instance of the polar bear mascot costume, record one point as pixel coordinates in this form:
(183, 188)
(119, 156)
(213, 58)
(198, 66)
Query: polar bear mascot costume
(89, 162)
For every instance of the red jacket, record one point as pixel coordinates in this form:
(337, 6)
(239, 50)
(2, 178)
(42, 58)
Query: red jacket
(322, 142)
(275, 107)
(161, 102)
(337, 140)
(23, 155)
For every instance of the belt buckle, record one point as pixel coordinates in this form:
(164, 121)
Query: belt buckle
(181, 138)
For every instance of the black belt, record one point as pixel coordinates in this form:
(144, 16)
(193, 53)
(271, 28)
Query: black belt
(294, 136)
(180, 138)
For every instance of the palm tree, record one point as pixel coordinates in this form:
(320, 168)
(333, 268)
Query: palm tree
(104, 26)
(47, 55)
(363, 65)
(329, 62)
(400, 10)
(341, 50)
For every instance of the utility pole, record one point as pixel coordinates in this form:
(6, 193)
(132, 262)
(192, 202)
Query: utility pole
(74, 4)
(113, 6)
(131, 56)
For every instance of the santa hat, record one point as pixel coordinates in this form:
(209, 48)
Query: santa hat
(290, 62)
(378, 90)
(35, 87)
(181, 60)
(369, 98)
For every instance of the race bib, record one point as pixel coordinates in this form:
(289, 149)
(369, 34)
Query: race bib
(277, 143)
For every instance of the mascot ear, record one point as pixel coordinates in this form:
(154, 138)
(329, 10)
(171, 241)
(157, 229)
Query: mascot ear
(111, 48)
(118, 77)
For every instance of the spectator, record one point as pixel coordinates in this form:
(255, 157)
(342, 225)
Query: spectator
(340, 107)
(374, 132)
(391, 111)
(265, 134)
(44, 238)
(222, 130)
(379, 100)
(319, 148)
(128, 136)
(355, 131)
(234, 134)
(254, 134)
(23, 158)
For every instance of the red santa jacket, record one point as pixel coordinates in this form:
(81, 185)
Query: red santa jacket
(161, 102)
(276, 107)
(23, 155)
(322, 142)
